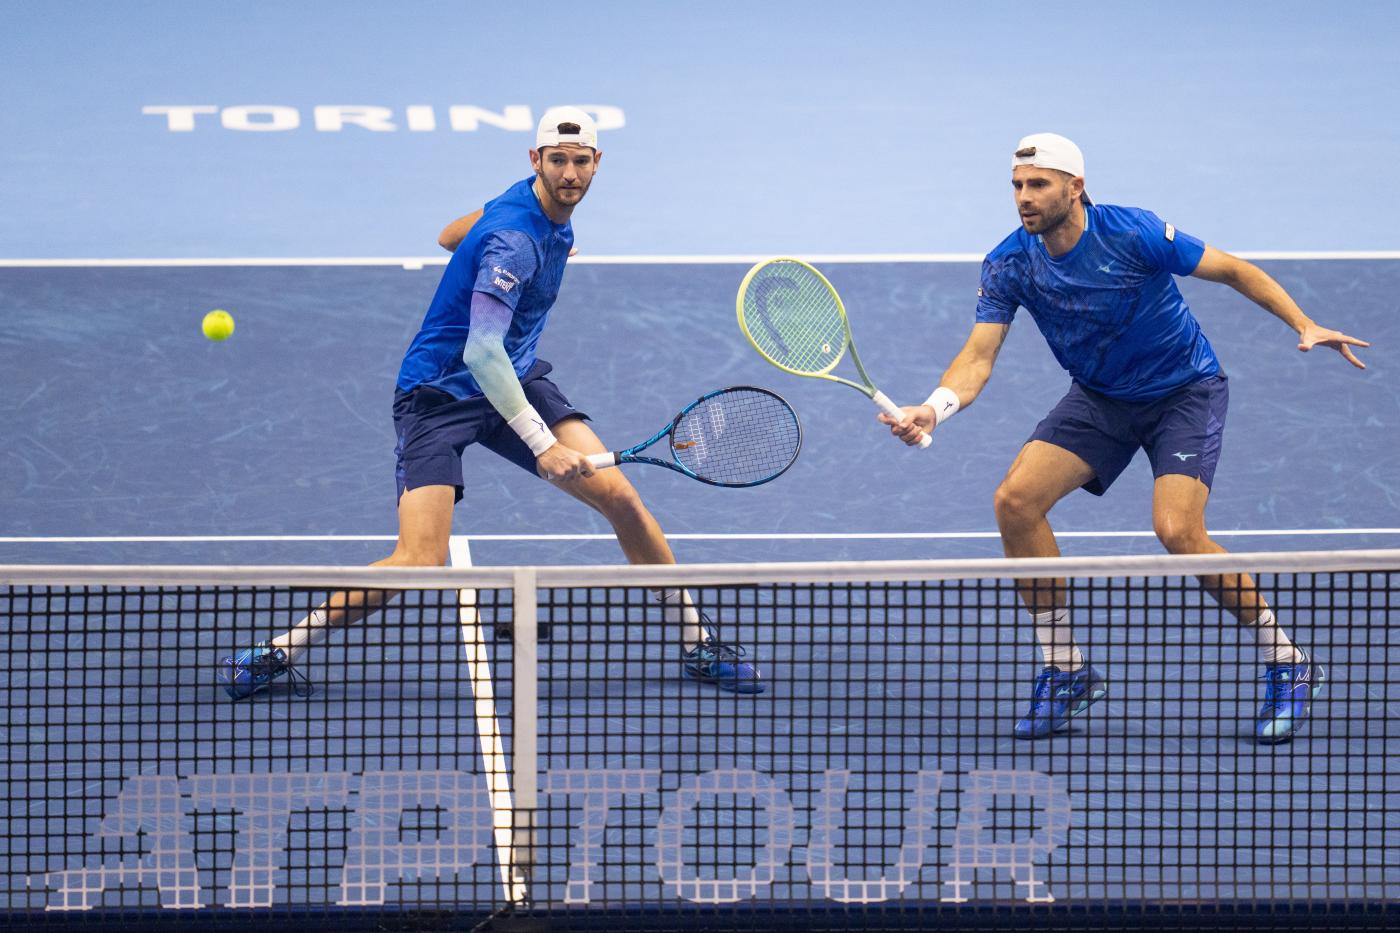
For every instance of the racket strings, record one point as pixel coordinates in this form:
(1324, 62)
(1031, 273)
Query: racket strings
(737, 437)
(794, 318)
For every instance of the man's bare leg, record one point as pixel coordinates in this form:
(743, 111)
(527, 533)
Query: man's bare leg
(1041, 475)
(425, 529)
(642, 541)
(1178, 518)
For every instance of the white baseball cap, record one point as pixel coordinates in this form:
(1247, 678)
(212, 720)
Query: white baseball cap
(1053, 151)
(552, 132)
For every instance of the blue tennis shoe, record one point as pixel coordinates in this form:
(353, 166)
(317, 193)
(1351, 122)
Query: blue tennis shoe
(1057, 697)
(716, 663)
(1289, 691)
(253, 669)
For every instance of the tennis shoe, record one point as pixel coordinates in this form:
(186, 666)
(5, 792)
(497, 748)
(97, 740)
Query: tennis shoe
(1057, 697)
(1289, 691)
(253, 669)
(714, 662)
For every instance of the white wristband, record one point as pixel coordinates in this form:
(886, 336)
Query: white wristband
(944, 402)
(532, 430)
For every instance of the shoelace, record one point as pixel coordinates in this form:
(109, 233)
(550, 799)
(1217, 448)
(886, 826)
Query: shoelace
(267, 664)
(721, 651)
(1278, 685)
(301, 684)
(1043, 683)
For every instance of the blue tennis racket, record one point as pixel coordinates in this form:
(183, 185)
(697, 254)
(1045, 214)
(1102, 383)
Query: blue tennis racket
(740, 436)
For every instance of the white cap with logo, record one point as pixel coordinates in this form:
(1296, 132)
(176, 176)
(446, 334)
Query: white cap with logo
(563, 125)
(1049, 150)
(1053, 151)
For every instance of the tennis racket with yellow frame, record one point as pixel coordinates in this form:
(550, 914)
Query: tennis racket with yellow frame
(795, 320)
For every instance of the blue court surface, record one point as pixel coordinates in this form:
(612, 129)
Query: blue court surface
(293, 164)
(125, 423)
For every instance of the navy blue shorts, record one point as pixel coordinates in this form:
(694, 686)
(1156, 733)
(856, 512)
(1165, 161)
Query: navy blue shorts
(1181, 432)
(433, 427)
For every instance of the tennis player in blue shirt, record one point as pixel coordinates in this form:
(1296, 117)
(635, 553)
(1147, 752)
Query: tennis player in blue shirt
(472, 376)
(1097, 280)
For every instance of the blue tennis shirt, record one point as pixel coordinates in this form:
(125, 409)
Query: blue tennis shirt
(1109, 308)
(514, 253)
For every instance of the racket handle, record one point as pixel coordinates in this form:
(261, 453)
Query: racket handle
(893, 410)
(602, 461)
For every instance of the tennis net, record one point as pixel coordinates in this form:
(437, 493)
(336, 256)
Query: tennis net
(518, 745)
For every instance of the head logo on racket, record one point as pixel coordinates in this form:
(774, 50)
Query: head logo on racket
(795, 320)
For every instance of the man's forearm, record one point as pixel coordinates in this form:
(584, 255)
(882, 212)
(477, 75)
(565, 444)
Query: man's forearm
(486, 358)
(490, 366)
(454, 233)
(971, 369)
(1259, 287)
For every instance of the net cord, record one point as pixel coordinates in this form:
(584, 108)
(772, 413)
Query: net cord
(506, 577)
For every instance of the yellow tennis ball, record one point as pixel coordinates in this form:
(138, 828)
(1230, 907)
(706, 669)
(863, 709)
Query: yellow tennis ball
(218, 325)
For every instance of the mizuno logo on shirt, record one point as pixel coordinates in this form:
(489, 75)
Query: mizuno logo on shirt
(1107, 267)
(1183, 457)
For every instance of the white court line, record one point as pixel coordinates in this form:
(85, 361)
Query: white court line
(414, 263)
(684, 536)
(488, 725)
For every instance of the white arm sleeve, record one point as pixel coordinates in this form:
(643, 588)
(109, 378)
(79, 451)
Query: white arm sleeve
(486, 357)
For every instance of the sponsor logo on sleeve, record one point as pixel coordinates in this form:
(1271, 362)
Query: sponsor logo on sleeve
(505, 280)
(1171, 233)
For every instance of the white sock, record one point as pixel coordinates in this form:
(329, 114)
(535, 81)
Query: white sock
(311, 630)
(1052, 630)
(677, 608)
(1274, 646)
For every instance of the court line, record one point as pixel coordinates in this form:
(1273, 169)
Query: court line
(488, 724)
(688, 536)
(414, 263)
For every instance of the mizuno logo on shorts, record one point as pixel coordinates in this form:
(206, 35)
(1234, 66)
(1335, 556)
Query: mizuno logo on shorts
(1183, 457)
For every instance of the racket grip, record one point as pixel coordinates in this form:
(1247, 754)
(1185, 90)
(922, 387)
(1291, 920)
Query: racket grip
(893, 410)
(602, 461)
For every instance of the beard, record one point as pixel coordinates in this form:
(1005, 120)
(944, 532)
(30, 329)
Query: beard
(562, 195)
(1049, 220)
